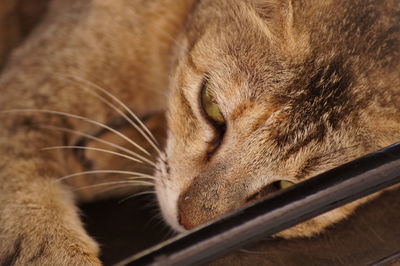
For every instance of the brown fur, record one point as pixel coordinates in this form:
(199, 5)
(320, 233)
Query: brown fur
(322, 76)
(304, 86)
(38, 221)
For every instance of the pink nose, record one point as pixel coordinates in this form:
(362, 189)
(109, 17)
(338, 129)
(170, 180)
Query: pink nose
(187, 209)
(184, 221)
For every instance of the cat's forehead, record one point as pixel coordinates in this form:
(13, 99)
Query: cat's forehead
(239, 69)
(236, 51)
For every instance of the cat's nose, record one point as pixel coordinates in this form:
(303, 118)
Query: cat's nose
(206, 199)
(184, 211)
(184, 221)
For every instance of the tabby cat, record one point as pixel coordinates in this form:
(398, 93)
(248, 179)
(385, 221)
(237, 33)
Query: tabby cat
(258, 94)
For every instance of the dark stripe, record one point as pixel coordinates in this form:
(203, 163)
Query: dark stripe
(317, 135)
(12, 258)
(40, 252)
(307, 167)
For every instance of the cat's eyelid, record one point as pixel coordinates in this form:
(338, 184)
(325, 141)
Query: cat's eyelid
(207, 84)
(209, 105)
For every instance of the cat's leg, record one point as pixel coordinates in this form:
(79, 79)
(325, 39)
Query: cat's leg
(39, 223)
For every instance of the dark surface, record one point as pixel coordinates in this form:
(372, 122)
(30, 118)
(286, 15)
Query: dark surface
(370, 235)
(124, 227)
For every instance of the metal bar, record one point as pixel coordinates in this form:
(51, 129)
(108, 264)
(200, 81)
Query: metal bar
(389, 260)
(317, 195)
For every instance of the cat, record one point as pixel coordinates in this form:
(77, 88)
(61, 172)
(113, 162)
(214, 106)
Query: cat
(258, 94)
(308, 89)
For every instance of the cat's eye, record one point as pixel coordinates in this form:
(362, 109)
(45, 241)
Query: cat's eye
(283, 184)
(210, 106)
(270, 189)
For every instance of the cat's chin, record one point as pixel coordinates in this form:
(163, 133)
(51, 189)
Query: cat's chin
(169, 212)
(167, 200)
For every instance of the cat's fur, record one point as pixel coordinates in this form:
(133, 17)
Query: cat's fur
(304, 85)
(312, 85)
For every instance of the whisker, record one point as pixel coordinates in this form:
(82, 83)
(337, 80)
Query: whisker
(153, 204)
(170, 233)
(143, 176)
(83, 119)
(131, 183)
(143, 159)
(115, 187)
(152, 140)
(136, 174)
(93, 149)
(137, 195)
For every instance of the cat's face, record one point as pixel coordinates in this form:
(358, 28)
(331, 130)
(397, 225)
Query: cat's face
(275, 124)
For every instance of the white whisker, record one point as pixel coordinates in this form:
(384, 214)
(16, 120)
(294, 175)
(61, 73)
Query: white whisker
(143, 176)
(142, 159)
(115, 187)
(83, 119)
(152, 140)
(137, 195)
(130, 183)
(93, 149)
(136, 174)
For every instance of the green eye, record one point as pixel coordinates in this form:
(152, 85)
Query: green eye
(211, 107)
(282, 184)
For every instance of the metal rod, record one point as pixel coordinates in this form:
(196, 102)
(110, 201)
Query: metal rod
(317, 195)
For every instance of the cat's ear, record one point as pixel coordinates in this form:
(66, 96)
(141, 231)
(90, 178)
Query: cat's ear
(277, 14)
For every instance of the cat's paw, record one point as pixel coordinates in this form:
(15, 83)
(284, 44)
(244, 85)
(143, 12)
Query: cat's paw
(48, 248)
(40, 225)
